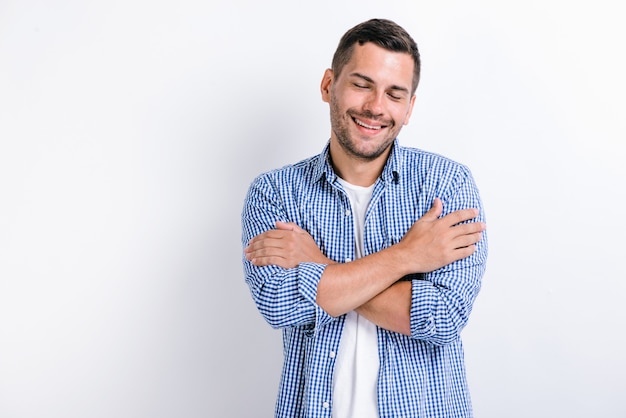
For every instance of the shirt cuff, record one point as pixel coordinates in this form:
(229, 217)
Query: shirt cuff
(423, 323)
(309, 275)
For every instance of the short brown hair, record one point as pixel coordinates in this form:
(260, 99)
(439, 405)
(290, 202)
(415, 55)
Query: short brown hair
(384, 33)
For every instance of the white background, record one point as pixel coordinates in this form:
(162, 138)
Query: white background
(130, 130)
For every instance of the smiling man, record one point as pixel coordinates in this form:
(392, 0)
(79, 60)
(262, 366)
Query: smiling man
(368, 256)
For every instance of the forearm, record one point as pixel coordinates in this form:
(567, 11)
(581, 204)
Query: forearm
(345, 287)
(425, 310)
(390, 309)
(441, 303)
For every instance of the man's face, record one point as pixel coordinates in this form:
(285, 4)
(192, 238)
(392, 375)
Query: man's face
(370, 101)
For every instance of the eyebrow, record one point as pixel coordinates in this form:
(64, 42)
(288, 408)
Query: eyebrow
(369, 80)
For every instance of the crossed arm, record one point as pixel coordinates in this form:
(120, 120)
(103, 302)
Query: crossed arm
(370, 284)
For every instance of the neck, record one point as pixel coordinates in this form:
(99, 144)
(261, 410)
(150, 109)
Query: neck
(354, 170)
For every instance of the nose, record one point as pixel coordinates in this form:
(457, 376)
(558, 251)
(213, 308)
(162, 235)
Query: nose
(374, 103)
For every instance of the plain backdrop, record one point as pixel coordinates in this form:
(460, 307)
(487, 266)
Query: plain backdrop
(130, 131)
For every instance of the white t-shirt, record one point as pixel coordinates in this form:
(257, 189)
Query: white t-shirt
(356, 369)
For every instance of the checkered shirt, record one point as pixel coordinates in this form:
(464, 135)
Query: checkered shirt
(420, 376)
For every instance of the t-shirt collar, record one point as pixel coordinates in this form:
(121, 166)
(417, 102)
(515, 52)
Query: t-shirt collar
(391, 171)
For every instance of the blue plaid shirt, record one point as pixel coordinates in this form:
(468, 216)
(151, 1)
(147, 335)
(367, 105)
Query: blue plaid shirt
(420, 376)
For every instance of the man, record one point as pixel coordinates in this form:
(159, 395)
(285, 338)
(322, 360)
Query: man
(368, 256)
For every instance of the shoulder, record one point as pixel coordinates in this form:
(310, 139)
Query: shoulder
(419, 161)
(432, 175)
(289, 178)
(301, 169)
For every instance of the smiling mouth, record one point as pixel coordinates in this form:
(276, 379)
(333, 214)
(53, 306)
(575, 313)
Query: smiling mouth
(365, 125)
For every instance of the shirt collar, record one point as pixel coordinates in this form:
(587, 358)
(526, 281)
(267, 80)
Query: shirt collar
(391, 170)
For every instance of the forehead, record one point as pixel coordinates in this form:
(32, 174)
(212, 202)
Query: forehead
(381, 65)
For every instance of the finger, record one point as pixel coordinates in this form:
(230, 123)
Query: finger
(467, 240)
(285, 226)
(459, 216)
(271, 260)
(288, 226)
(464, 252)
(263, 253)
(468, 228)
(259, 244)
(271, 234)
(435, 210)
(258, 238)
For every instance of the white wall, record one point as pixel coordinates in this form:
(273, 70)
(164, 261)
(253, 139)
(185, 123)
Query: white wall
(130, 130)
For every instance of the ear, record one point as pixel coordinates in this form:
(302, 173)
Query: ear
(327, 82)
(408, 114)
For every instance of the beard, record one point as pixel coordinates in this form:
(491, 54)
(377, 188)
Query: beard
(341, 122)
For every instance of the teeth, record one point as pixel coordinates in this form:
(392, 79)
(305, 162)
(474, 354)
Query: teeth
(366, 125)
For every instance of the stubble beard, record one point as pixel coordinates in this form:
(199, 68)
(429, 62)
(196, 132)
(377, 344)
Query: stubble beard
(340, 124)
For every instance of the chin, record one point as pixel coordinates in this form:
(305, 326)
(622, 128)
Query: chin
(367, 153)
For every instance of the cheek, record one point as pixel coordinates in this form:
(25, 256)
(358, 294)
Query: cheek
(348, 99)
(404, 115)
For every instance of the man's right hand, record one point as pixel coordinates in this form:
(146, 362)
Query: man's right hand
(286, 246)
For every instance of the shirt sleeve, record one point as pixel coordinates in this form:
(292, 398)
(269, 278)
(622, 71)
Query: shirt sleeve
(442, 300)
(284, 297)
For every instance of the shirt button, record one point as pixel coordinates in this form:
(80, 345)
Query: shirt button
(348, 213)
(332, 354)
(348, 260)
(326, 405)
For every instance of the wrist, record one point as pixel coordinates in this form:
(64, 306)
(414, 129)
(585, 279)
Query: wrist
(399, 260)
